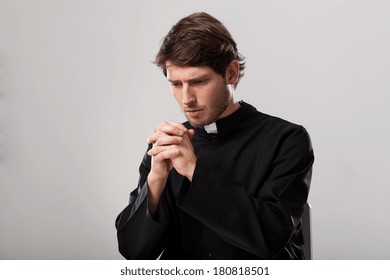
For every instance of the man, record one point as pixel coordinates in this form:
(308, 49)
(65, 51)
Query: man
(231, 182)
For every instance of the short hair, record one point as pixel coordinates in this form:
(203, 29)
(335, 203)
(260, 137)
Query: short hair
(199, 40)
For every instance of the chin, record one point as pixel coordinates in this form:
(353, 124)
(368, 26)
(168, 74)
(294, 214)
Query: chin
(197, 123)
(200, 124)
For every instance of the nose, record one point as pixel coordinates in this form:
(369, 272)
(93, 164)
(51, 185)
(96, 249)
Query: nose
(188, 96)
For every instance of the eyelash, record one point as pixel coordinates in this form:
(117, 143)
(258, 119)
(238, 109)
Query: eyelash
(175, 85)
(195, 83)
(200, 82)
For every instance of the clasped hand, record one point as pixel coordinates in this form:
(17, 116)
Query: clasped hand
(172, 148)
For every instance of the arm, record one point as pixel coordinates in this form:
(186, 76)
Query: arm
(139, 235)
(172, 148)
(262, 216)
(142, 224)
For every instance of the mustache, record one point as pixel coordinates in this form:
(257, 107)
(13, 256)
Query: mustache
(192, 109)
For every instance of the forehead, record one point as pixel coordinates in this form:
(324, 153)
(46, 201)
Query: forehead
(175, 72)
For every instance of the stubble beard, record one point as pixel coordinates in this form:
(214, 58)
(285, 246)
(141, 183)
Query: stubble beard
(217, 110)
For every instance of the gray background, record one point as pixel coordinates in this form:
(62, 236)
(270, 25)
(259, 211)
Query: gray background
(79, 95)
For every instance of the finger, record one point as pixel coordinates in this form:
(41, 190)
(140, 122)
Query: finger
(172, 128)
(164, 139)
(178, 125)
(168, 140)
(191, 134)
(164, 152)
(155, 150)
(167, 128)
(154, 136)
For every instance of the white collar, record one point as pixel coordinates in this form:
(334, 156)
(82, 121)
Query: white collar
(211, 128)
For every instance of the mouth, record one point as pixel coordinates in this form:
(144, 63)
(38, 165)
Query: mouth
(193, 112)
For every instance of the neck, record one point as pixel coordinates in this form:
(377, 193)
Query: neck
(230, 109)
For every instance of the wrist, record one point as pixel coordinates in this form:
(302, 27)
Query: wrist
(156, 187)
(156, 179)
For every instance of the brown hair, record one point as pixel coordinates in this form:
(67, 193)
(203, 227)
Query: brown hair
(199, 40)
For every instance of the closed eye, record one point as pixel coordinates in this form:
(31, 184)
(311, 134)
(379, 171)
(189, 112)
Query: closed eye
(199, 82)
(175, 84)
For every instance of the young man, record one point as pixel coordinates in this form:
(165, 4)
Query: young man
(231, 182)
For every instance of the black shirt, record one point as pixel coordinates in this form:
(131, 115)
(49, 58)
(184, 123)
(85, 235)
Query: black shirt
(245, 201)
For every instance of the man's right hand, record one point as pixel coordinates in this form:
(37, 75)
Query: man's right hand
(171, 148)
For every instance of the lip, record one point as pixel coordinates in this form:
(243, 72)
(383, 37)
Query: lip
(193, 112)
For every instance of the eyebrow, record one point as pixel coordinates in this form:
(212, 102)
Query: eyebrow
(202, 77)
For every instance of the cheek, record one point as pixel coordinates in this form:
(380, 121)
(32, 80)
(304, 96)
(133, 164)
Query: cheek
(216, 94)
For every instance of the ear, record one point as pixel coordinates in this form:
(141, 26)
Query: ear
(232, 72)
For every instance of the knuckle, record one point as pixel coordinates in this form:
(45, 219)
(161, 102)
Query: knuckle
(179, 140)
(175, 152)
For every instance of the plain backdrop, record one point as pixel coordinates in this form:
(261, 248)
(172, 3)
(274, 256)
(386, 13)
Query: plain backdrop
(79, 95)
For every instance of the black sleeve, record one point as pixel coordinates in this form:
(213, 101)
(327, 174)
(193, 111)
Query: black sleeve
(139, 235)
(263, 222)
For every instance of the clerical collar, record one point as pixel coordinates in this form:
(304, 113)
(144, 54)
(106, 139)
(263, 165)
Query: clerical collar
(211, 128)
(229, 123)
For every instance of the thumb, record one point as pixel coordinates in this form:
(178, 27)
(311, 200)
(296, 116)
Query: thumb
(190, 134)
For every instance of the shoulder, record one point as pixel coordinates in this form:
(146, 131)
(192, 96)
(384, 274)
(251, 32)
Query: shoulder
(275, 131)
(270, 124)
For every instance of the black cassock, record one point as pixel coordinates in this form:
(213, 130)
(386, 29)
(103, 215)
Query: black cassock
(245, 201)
